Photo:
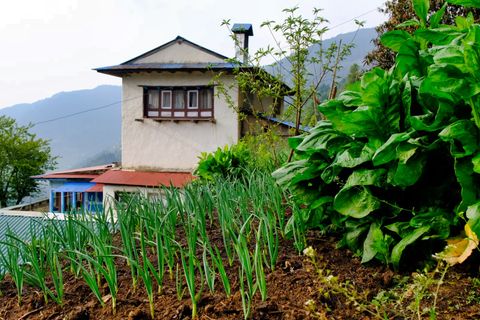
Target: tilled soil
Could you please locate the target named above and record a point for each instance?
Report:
(297, 289)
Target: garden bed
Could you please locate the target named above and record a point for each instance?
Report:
(295, 291)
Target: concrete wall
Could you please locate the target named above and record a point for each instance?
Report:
(179, 52)
(172, 146)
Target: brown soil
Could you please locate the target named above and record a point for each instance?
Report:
(347, 295)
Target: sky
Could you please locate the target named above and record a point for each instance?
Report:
(49, 46)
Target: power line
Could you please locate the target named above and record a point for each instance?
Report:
(352, 19)
(84, 111)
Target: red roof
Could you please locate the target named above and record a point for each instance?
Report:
(144, 178)
(96, 188)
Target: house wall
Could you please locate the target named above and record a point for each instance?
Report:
(167, 145)
(179, 52)
(109, 195)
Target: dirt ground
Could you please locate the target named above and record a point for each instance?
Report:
(336, 286)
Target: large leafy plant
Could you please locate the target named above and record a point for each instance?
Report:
(397, 162)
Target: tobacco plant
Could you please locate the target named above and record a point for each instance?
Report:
(397, 160)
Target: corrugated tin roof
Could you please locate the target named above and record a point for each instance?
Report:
(289, 124)
(85, 173)
(144, 178)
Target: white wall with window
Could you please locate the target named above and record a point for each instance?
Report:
(169, 118)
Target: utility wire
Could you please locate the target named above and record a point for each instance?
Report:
(354, 18)
(84, 111)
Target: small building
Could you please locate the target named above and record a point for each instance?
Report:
(75, 189)
(172, 111)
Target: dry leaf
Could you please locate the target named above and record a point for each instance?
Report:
(459, 249)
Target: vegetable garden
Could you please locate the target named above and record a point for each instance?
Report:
(392, 175)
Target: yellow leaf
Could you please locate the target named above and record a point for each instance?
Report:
(459, 249)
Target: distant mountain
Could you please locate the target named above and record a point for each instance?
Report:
(82, 137)
(93, 137)
(362, 41)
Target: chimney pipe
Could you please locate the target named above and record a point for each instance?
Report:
(241, 32)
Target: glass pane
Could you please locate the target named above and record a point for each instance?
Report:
(193, 99)
(179, 99)
(166, 99)
(153, 99)
(206, 99)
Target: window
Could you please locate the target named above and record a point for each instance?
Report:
(178, 103)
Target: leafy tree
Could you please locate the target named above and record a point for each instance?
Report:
(22, 155)
(293, 40)
(402, 16)
(354, 74)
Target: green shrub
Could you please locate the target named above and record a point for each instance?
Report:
(226, 162)
(397, 162)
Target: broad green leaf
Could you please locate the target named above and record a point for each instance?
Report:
(409, 238)
(473, 215)
(433, 121)
(437, 219)
(463, 138)
(394, 39)
(408, 59)
(355, 229)
(293, 142)
(356, 202)
(469, 183)
(476, 163)
(322, 137)
(409, 168)
(466, 3)
(421, 9)
(294, 172)
(351, 98)
(366, 177)
(439, 36)
(388, 151)
(354, 156)
(374, 236)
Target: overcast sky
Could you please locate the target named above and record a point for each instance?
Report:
(48, 46)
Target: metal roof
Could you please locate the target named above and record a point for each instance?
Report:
(79, 173)
(144, 178)
(243, 28)
(289, 124)
(149, 67)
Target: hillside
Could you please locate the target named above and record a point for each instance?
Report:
(92, 138)
(79, 138)
(362, 40)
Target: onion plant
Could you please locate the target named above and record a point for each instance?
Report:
(12, 264)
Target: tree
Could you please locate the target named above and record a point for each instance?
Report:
(401, 12)
(354, 74)
(22, 155)
(293, 41)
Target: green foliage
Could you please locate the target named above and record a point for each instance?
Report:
(264, 152)
(226, 162)
(397, 157)
(22, 155)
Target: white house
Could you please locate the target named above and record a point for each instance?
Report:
(172, 111)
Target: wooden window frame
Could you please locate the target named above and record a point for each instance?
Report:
(161, 99)
(197, 113)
